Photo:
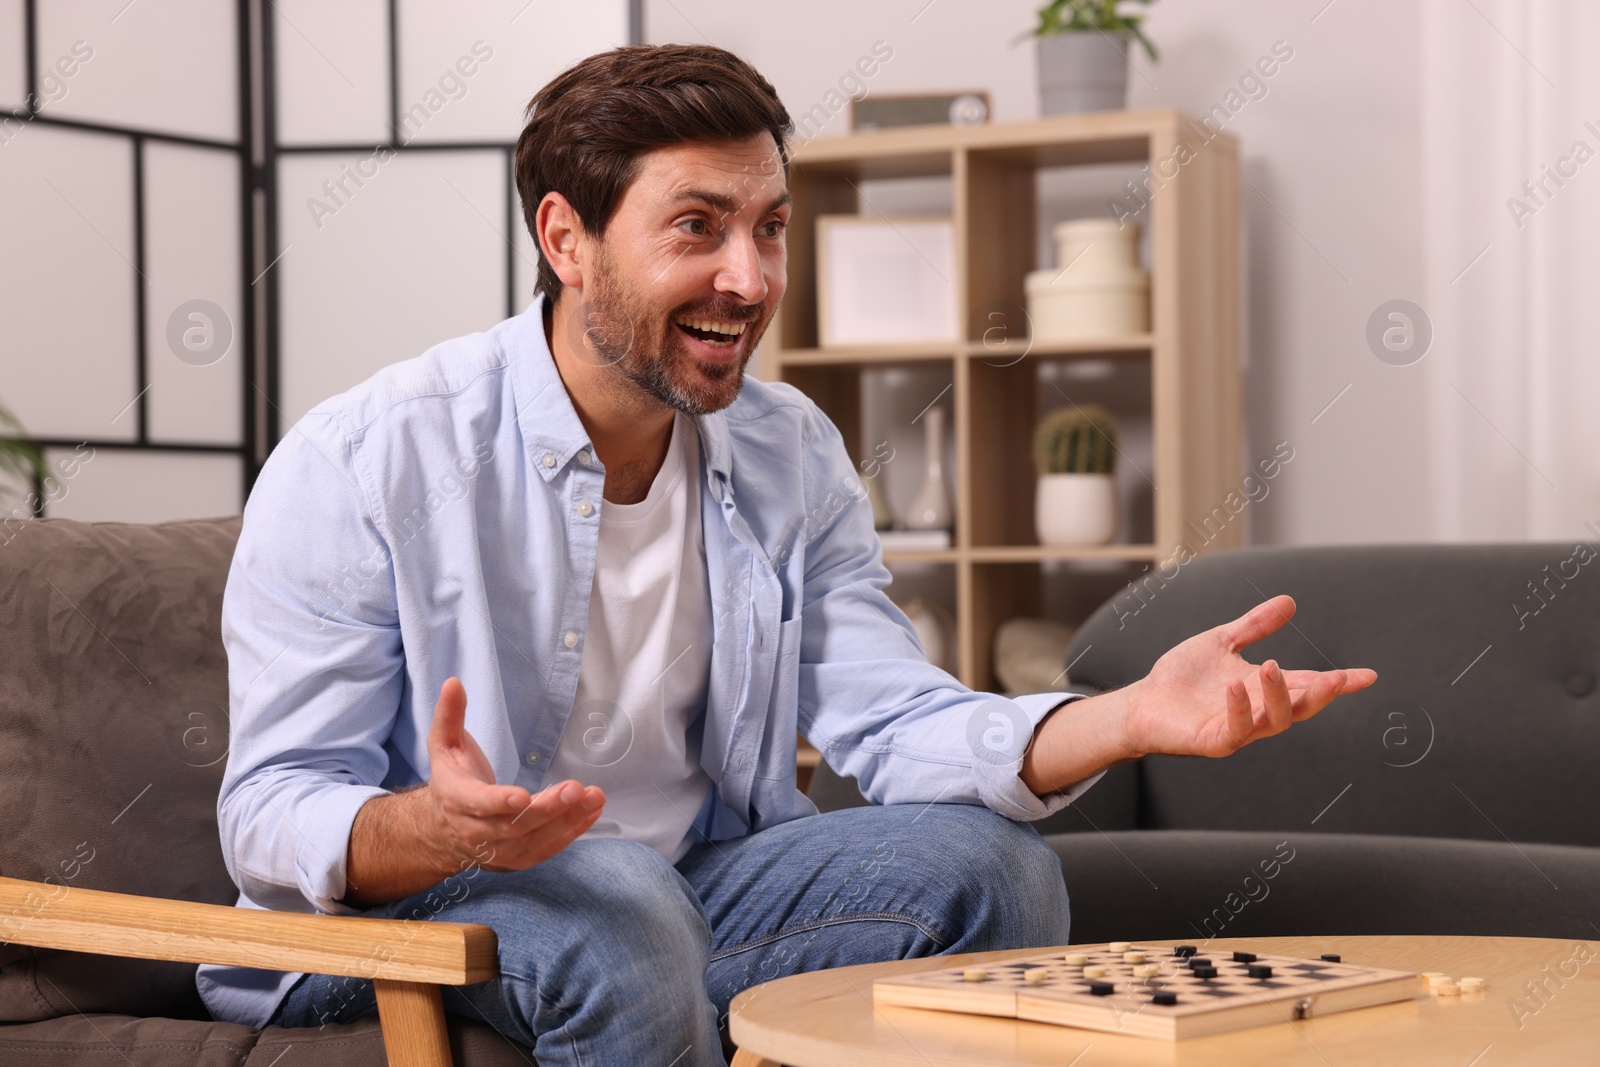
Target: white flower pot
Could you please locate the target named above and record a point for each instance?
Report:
(1076, 509)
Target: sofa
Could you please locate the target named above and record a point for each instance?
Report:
(113, 739)
(1458, 795)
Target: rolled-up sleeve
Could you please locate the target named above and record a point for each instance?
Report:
(315, 673)
(906, 730)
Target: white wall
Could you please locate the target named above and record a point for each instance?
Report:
(1333, 222)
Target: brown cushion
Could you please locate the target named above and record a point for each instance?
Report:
(113, 738)
(125, 1041)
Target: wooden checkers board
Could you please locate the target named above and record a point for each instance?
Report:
(1285, 988)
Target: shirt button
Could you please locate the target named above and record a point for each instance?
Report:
(532, 757)
(583, 457)
(549, 459)
(585, 508)
(570, 639)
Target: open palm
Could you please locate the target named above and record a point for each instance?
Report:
(502, 827)
(1202, 698)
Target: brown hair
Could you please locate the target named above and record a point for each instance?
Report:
(587, 128)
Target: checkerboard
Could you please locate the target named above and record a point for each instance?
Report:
(1121, 1001)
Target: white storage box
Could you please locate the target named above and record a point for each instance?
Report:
(1076, 309)
(1097, 290)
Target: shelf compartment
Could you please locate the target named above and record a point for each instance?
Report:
(1007, 401)
(1067, 591)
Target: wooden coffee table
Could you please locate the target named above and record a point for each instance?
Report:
(827, 1018)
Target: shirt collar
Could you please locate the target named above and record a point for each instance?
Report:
(550, 423)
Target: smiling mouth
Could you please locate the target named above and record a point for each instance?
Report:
(714, 332)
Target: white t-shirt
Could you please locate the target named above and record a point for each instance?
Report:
(646, 661)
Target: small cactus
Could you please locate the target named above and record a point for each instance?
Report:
(1076, 440)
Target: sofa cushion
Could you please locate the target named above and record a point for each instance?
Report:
(113, 737)
(119, 1040)
(1488, 661)
(1196, 884)
(126, 1041)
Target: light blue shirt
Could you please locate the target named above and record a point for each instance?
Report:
(441, 519)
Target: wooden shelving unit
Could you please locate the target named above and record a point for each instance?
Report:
(1190, 359)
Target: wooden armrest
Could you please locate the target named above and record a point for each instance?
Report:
(121, 924)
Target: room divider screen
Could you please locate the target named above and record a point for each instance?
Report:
(218, 214)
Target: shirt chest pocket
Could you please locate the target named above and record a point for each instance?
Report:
(786, 670)
(777, 754)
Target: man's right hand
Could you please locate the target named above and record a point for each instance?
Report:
(496, 827)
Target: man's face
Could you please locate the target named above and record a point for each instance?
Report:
(690, 270)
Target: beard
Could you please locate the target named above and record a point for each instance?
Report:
(651, 353)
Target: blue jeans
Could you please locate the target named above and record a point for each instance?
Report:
(611, 955)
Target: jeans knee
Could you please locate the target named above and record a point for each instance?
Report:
(1009, 881)
(640, 898)
(1042, 890)
(604, 934)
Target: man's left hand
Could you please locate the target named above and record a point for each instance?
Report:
(1202, 698)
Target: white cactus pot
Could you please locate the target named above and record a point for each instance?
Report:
(1076, 509)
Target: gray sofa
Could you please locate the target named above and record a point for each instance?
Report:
(1459, 795)
(113, 733)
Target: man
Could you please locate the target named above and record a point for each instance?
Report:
(631, 559)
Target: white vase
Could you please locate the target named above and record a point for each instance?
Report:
(931, 509)
(1075, 509)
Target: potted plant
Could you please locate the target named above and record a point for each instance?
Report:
(20, 460)
(1075, 449)
(1083, 54)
